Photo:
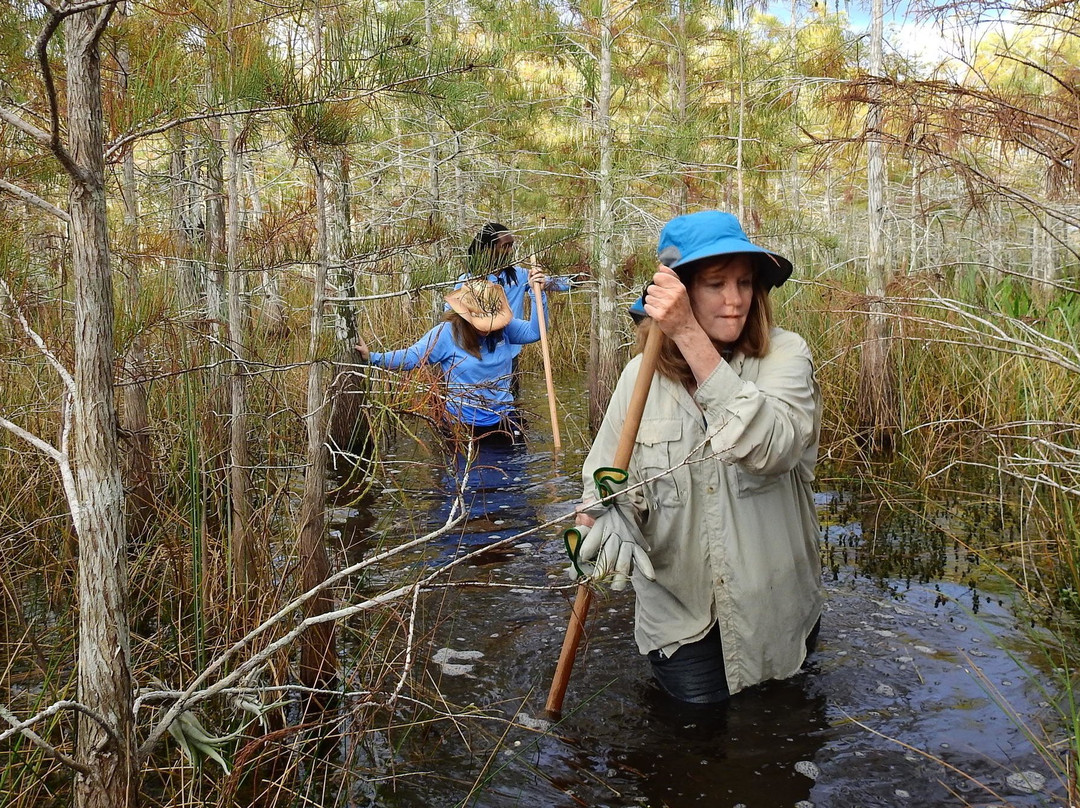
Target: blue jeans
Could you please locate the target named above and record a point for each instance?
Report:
(695, 672)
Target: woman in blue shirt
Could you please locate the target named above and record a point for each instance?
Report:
(475, 347)
(491, 256)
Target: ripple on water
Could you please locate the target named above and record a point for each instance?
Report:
(900, 666)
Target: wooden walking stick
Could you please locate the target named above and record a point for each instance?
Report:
(538, 297)
(623, 451)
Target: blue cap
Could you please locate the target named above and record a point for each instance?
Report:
(709, 233)
(637, 310)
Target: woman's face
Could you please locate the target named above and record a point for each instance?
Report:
(720, 296)
(503, 249)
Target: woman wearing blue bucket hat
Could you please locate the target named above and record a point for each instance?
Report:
(720, 534)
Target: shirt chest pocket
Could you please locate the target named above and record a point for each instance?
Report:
(751, 484)
(661, 461)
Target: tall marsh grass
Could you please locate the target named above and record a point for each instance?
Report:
(988, 390)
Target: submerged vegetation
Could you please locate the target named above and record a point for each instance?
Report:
(279, 178)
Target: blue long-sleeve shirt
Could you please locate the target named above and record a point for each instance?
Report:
(478, 390)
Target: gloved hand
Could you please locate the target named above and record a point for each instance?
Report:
(614, 539)
(616, 544)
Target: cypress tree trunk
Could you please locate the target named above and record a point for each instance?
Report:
(215, 430)
(189, 282)
(318, 653)
(104, 676)
(318, 650)
(877, 417)
(740, 55)
(136, 408)
(215, 228)
(793, 191)
(432, 134)
(603, 354)
(680, 92)
(245, 567)
(1043, 272)
(348, 427)
(1045, 268)
(272, 310)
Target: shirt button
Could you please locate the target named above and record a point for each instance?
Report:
(711, 489)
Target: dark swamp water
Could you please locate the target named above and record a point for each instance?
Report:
(901, 705)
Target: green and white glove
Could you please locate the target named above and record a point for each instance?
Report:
(613, 544)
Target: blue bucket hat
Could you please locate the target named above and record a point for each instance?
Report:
(709, 233)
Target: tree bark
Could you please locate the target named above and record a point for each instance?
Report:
(433, 138)
(604, 354)
(347, 426)
(272, 309)
(460, 197)
(104, 675)
(681, 92)
(318, 650)
(189, 282)
(877, 386)
(740, 55)
(136, 407)
(1043, 271)
(318, 653)
(215, 229)
(245, 566)
(793, 189)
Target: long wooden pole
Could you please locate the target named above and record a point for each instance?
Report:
(538, 296)
(623, 452)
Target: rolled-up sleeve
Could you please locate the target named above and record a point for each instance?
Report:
(766, 426)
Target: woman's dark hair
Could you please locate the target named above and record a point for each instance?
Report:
(483, 260)
(486, 238)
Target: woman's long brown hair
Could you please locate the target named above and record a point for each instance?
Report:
(465, 335)
(753, 341)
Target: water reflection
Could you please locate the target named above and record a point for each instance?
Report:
(899, 705)
(758, 747)
(489, 480)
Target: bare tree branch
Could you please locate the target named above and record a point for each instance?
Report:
(189, 697)
(409, 644)
(33, 199)
(39, 343)
(103, 21)
(40, 135)
(41, 48)
(23, 728)
(41, 445)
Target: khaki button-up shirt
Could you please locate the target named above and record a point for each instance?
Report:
(725, 505)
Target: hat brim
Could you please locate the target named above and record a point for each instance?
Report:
(483, 321)
(773, 269)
